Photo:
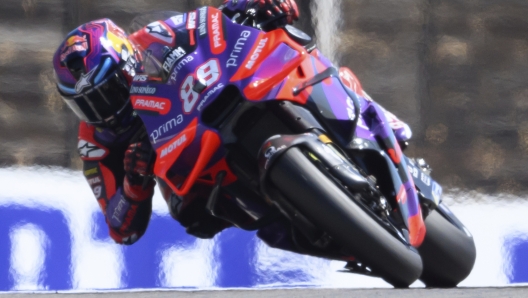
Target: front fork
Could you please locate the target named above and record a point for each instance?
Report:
(337, 164)
(405, 194)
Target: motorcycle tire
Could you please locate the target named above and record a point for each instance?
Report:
(448, 253)
(320, 200)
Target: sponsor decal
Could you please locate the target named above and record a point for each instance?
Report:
(207, 74)
(268, 154)
(202, 28)
(94, 180)
(412, 170)
(184, 62)
(97, 191)
(172, 146)
(166, 127)
(91, 171)
(188, 96)
(425, 179)
(142, 90)
(350, 80)
(216, 33)
(114, 29)
(84, 81)
(75, 43)
(89, 150)
(172, 78)
(401, 197)
(209, 94)
(239, 46)
(191, 21)
(131, 62)
(350, 109)
(177, 20)
(437, 192)
(152, 104)
(256, 53)
(172, 58)
(161, 31)
(121, 211)
(141, 78)
(394, 122)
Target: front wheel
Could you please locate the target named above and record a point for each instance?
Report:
(320, 200)
(448, 251)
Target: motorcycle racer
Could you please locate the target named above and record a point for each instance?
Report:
(94, 67)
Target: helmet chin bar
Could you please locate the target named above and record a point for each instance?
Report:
(122, 121)
(111, 121)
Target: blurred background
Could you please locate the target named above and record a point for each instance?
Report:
(455, 70)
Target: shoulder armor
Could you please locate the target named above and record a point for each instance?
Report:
(88, 148)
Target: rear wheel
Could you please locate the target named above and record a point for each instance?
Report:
(448, 252)
(319, 199)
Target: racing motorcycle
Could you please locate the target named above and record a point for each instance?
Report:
(266, 118)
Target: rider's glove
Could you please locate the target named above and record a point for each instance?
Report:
(128, 217)
(128, 214)
(275, 12)
(139, 182)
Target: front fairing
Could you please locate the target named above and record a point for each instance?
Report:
(189, 60)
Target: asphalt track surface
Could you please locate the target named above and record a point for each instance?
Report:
(289, 293)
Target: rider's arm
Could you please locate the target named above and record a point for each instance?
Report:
(126, 206)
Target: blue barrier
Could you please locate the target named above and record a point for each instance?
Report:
(234, 254)
(516, 249)
(57, 275)
(142, 261)
(78, 249)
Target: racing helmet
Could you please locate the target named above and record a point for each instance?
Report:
(94, 67)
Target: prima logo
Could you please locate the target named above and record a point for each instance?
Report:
(142, 90)
(180, 65)
(256, 53)
(184, 62)
(239, 46)
(166, 127)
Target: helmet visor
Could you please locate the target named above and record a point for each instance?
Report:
(102, 102)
